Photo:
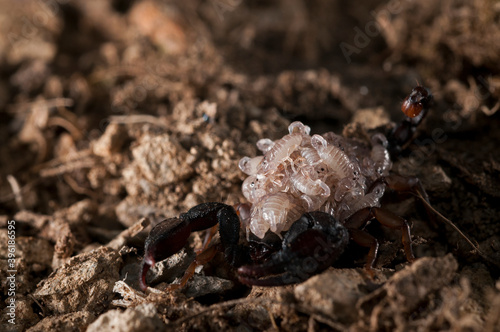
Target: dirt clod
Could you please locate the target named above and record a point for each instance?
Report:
(74, 321)
(139, 319)
(84, 283)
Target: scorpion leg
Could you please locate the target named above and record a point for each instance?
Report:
(410, 184)
(208, 238)
(171, 235)
(392, 220)
(202, 258)
(384, 217)
(413, 185)
(364, 239)
(310, 246)
(402, 184)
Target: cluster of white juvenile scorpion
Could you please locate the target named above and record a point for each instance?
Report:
(299, 173)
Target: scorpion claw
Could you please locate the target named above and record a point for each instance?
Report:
(146, 265)
(171, 235)
(310, 246)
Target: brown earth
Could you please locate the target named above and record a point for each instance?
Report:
(115, 111)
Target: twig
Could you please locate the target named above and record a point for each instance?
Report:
(72, 156)
(16, 190)
(68, 167)
(23, 189)
(222, 305)
(271, 317)
(70, 127)
(131, 119)
(450, 223)
(264, 302)
(43, 313)
(329, 322)
(127, 234)
(77, 188)
(48, 103)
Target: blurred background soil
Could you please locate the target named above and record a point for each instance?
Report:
(111, 111)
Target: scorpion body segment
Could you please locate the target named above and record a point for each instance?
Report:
(280, 151)
(306, 182)
(416, 102)
(336, 159)
(380, 155)
(310, 155)
(278, 211)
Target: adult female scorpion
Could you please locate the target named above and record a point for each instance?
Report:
(312, 193)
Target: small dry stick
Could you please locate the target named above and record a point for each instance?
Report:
(450, 223)
(129, 233)
(223, 305)
(130, 119)
(68, 167)
(13, 195)
(16, 190)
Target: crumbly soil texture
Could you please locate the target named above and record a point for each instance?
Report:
(117, 114)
